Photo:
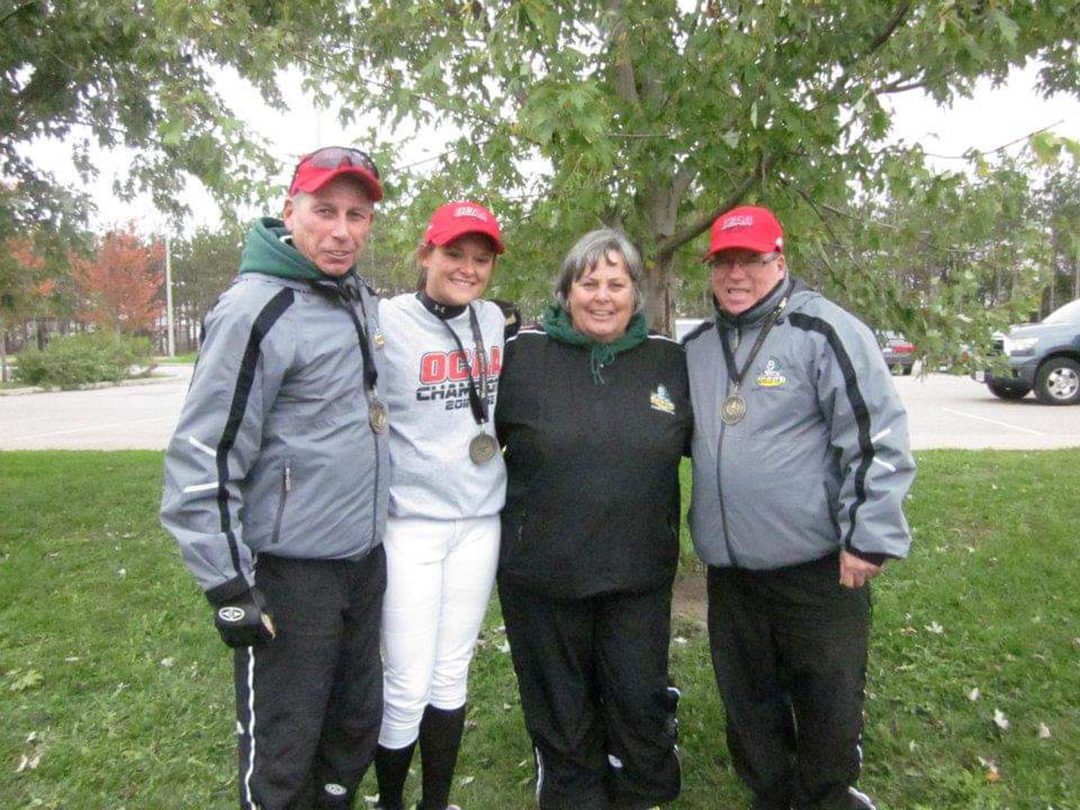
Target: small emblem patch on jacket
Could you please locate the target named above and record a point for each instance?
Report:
(660, 400)
(771, 376)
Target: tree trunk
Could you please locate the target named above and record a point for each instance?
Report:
(660, 294)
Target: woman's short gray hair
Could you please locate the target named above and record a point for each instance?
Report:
(586, 254)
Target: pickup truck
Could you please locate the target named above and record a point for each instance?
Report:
(1043, 356)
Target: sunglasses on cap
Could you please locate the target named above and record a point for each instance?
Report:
(334, 157)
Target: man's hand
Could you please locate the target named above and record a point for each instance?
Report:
(243, 621)
(855, 571)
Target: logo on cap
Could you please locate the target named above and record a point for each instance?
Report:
(470, 211)
(738, 221)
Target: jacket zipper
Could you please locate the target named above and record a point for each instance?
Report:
(719, 471)
(286, 488)
(375, 497)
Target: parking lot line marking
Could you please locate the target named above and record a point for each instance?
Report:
(89, 427)
(994, 422)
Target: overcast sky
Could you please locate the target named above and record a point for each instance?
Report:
(991, 119)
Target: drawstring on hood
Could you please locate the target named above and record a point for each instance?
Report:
(557, 325)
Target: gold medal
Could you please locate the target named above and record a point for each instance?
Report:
(378, 414)
(483, 448)
(733, 409)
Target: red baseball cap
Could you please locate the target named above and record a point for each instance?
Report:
(455, 219)
(749, 227)
(321, 166)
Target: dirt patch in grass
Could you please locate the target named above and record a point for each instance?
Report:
(689, 599)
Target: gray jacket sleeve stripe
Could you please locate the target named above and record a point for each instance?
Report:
(858, 406)
(273, 310)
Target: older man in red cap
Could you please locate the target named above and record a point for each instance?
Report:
(276, 488)
(801, 464)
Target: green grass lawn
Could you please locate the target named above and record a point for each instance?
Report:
(116, 693)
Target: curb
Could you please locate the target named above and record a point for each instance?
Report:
(37, 389)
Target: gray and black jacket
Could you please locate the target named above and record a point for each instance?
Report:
(820, 462)
(273, 451)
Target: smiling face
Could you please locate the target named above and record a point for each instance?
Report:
(601, 302)
(741, 278)
(458, 273)
(331, 225)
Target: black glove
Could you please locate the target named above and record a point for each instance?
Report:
(243, 621)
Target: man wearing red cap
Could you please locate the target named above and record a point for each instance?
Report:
(276, 489)
(801, 464)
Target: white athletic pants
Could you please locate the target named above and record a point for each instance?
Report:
(439, 575)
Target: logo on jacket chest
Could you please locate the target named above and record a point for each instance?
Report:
(660, 400)
(772, 375)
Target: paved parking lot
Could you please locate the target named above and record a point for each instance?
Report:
(943, 411)
(948, 411)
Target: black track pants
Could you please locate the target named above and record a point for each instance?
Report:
(593, 677)
(789, 651)
(309, 703)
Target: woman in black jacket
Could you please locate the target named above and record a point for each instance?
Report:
(594, 413)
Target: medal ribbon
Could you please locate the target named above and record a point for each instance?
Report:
(735, 374)
(345, 295)
(477, 397)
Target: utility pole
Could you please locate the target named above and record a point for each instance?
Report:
(170, 340)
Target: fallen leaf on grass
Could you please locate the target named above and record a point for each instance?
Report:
(991, 770)
(679, 640)
(935, 628)
(28, 763)
(1044, 731)
(465, 781)
(974, 694)
(1000, 720)
(31, 679)
(503, 647)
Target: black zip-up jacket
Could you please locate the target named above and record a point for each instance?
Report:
(592, 501)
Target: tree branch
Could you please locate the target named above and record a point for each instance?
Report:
(17, 10)
(899, 87)
(668, 246)
(894, 22)
(625, 84)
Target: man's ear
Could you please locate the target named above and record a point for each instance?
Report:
(288, 211)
